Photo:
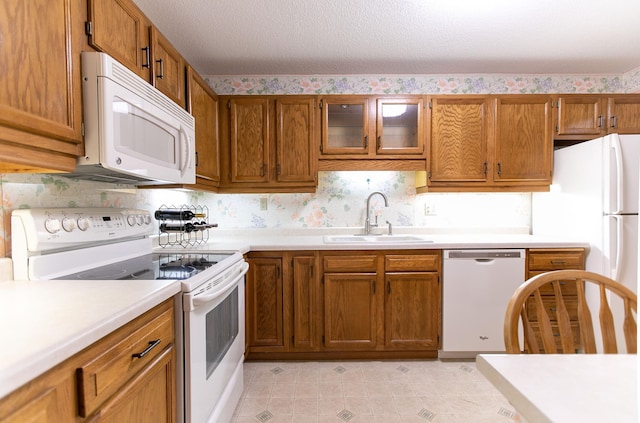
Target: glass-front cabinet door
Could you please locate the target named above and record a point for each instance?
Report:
(399, 126)
(345, 125)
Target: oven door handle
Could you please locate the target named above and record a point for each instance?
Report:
(237, 275)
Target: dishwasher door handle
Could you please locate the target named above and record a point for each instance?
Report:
(484, 260)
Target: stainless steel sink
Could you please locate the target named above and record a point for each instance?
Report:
(379, 239)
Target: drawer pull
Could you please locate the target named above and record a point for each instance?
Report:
(558, 262)
(152, 345)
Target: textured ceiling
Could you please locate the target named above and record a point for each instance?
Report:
(374, 37)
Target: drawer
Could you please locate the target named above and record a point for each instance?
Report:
(567, 287)
(575, 330)
(116, 361)
(411, 262)
(556, 260)
(350, 263)
(550, 306)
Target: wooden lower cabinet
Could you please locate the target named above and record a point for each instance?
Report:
(343, 304)
(104, 383)
(412, 310)
(350, 311)
(545, 260)
(282, 302)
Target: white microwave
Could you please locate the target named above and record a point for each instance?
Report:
(133, 133)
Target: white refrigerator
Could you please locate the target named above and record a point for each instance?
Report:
(594, 197)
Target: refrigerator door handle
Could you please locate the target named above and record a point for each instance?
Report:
(617, 261)
(619, 188)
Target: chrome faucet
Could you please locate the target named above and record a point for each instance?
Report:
(367, 222)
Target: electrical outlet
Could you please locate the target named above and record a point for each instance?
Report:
(429, 210)
(263, 203)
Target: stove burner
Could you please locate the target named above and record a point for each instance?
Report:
(187, 263)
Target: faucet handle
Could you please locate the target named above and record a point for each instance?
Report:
(390, 228)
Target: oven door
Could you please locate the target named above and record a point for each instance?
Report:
(214, 347)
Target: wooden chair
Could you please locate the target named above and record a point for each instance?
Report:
(539, 327)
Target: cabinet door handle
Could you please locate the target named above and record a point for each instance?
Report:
(558, 262)
(600, 121)
(486, 168)
(614, 121)
(152, 345)
(366, 141)
(499, 169)
(197, 160)
(379, 141)
(161, 73)
(147, 57)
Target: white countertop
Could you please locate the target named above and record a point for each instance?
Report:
(245, 240)
(567, 387)
(42, 323)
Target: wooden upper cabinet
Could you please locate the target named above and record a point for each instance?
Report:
(249, 139)
(168, 69)
(579, 115)
(345, 125)
(40, 98)
(523, 140)
(120, 29)
(295, 139)
(372, 127)
(459, 130)
(488, 143)
(268, 143)
(623, 114)
(399, 126)
(203, 105)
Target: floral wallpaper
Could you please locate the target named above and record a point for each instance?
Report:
(427, 84)
(341, 196)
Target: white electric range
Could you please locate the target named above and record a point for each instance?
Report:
(116, 244)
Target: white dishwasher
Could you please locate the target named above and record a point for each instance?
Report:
(476, 287)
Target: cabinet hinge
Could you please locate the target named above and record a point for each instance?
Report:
(431, 104)
(229, 104)
(321, 105)
(429, 174)
(315, 104)
(553, 104)
(321, 147)
(82, 128)
(88, 28)
(557, 128)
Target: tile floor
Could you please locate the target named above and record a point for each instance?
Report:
(369, 391)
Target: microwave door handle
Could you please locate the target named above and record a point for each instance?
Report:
(186, 146)
(240, 272)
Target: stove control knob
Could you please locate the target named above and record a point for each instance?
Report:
(140, 219)
(52, 225)
(147, 219)
(68, 224)
(131, 220)
(84, 223)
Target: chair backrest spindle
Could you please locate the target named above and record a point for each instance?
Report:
(546, 314)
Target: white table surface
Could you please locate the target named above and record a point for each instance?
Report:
(566, 388)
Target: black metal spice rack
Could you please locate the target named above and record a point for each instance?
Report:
(185, 226)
